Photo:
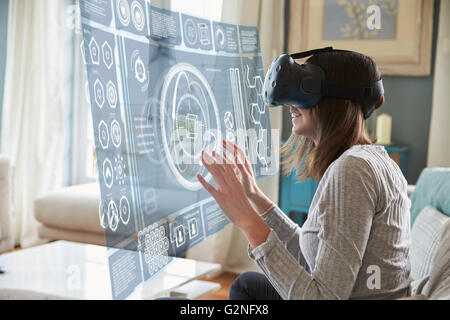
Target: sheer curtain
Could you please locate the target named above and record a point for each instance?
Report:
(229, 247)
(439, 142)
(32, 124)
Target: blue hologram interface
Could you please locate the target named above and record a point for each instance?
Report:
(163, 86)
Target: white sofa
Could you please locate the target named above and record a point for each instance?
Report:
(72, 213)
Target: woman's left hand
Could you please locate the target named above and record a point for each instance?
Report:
(230, 194)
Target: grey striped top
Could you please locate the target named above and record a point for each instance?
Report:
(355, 241)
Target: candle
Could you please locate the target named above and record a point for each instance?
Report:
(384, 125)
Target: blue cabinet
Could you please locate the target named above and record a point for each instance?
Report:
(296, 197)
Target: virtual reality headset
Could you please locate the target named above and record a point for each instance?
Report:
(304, 85)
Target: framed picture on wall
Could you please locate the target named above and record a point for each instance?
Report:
(397, 34)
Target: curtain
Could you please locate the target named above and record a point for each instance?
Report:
(229, 247)
(439, 142)
(32, 130)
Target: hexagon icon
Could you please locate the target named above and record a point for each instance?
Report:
(116, 133)
(259, 132)
(99, 93)
(261, 104)
(107, 55)
(259, 85)
(108, 173)
(261, 153)
(255, 113)
(103, 134)
(111, 94)
(94, 50)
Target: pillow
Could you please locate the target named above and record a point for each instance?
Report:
(432, 189)
(438, 286)
(425, 236)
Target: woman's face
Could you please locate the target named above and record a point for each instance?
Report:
(303, 122)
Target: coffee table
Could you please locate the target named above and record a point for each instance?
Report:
(71, 270)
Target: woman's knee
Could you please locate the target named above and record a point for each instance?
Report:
(243, 285)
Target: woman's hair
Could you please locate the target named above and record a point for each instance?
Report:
(339, 122)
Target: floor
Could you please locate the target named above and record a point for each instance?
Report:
(225, 280)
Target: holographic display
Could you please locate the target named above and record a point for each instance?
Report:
(163, 86)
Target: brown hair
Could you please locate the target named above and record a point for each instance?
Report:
(339, 122)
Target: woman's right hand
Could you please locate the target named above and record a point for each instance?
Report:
(245, 174)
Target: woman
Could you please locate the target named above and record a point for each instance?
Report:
(355, 241)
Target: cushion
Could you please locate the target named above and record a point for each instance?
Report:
(432, 189)
(73, 208)
(51, 233)
(425, 236)
(438, 286)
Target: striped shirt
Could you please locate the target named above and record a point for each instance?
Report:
(355, 241)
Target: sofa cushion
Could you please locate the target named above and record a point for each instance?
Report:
(438, 286)
(51, 233)
(432, 189)
(72, 208)
(425, 236)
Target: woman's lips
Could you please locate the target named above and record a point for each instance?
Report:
(295, 113)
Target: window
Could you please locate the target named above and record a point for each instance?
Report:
(82, 151)
(211, 9)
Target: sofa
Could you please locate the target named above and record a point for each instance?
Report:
(430, 235)
(72, 214)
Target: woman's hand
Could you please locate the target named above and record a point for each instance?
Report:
(244, 173)
(230, 195)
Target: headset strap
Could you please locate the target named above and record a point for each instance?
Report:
(305, 54)
(353, 92)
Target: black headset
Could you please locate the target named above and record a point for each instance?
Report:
(304, 85)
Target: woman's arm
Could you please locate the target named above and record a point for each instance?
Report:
(287, 231)
(347, 206)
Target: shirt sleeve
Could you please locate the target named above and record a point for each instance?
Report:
(346, 209)
(286, 230)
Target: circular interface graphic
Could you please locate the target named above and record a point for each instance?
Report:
(139, 70)
(123, 11)
(190, 31)
(124, 206)
(116, 133)
(189, 123)
(220, 38)
(137, 15)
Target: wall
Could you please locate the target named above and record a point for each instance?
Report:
(3, 38)
(408, 101)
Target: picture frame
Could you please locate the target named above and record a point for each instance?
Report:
(400, 47)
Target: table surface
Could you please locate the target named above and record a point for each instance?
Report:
(70, 270)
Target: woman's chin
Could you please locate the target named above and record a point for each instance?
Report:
(297, 130)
